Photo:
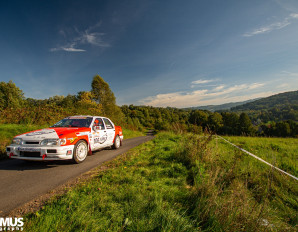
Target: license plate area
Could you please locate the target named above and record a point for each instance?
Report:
(30, 154)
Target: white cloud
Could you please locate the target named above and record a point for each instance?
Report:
(73, 50)
(218, 95)
(274, 26)
(256, 85)
(219, 88)
(284, 85)
(87, 37)
(295, 16)
(93, 38)
(201, 82)
(68, 48)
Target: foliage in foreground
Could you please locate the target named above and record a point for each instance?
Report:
(176, 183)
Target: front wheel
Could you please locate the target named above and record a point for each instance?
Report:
(80, 152)
(117, 142)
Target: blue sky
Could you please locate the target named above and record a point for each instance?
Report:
(159, 53)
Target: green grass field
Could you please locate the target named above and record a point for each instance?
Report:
(176, 183)
(281, 152)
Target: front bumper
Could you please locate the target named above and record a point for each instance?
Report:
(40, 153)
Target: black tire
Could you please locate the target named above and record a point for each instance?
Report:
(117, 142)
(80, 152)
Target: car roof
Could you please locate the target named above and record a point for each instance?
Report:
(87, 116)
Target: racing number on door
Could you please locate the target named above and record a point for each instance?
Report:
(110, 130)
(100, 135)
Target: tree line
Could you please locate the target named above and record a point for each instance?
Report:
(100, 100)
(198, 121)
(279, 107)
(15, 108)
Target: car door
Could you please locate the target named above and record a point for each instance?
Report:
(110, 129)
(99, 135)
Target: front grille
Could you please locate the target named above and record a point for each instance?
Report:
(51, 151)
(31, 142)
(29, 154)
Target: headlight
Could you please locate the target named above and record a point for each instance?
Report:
(62, 141)
(53, 142)
(49, 142)
(17, 141)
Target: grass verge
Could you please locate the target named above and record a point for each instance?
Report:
(176, 183)
(131, 133)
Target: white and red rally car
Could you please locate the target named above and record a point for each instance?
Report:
(71, 138)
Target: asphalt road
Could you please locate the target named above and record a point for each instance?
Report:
(21, 182)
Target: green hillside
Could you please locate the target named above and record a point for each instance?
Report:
(278, 107)
(222, 107)
(280, 100)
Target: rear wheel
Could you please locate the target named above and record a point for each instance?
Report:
(117, 142)
(80, 152)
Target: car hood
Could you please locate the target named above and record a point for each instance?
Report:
(53, 133)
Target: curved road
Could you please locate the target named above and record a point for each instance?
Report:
(21, 182)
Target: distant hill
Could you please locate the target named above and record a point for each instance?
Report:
(278, 107)
(280, 100)
(283, 106)
(226, 106)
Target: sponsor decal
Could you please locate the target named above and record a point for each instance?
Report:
(82, 133)
(11, 224)
(42, 132)
(101, 139)
(71, 140)
(28, 149)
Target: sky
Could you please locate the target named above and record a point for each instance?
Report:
(152, 52)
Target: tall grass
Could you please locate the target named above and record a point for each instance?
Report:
(234, 192)
(281, 152)
(142, 191)
(176, 183)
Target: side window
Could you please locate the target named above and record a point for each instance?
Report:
(108, 123)
(98, 123)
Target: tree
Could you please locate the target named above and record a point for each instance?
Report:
(10, 95)
(104, 96)
(230, 121)
(245, 125)
(198, 117)
(215, 122)
(283, 129)
(85, 102)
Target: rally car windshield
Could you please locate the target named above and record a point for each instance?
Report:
(74, 122)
